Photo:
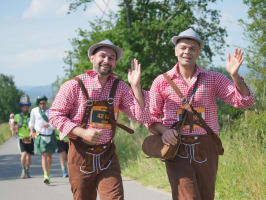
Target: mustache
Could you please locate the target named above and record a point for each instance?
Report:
(105, 65)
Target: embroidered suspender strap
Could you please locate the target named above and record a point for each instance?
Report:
(110, 102)
(89, 103)
(110, 105)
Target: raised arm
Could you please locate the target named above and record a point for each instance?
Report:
(134, 76)
(232, 67)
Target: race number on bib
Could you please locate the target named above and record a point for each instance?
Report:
(99, 117)
(201, 111)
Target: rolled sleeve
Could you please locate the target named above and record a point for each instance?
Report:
(228, 92)
(141, 115)
(61, 109)
(155, 104)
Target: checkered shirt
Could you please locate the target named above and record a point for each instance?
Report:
(69, 105)
(164, 102)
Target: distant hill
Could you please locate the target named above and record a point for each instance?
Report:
(35, 91)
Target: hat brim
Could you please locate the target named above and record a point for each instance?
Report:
(176, 38)
(118, 50)
(26, 104)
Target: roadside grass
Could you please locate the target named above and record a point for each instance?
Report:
(241, 174)
(5, 132)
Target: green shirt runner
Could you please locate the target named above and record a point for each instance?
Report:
(22, 121)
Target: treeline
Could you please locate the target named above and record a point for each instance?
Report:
(9, 97)
(144, 28)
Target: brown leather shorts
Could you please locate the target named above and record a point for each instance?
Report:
(94, 169)
(192, 174)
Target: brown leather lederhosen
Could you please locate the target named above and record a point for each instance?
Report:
(192, 174)
(95, 168)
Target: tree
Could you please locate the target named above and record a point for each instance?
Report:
(9, 97)
(143, 28)
(255, 30)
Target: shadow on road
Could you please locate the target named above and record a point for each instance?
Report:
(10, 167)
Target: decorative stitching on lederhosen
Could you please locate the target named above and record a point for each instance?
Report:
(189, 149)
(98, 161)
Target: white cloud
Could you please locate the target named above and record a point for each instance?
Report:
(32, 56)
(46, 8)
(102, 8)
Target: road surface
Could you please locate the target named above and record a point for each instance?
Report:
(14, 188)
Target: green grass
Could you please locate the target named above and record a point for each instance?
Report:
(5, 132)
(241, 174)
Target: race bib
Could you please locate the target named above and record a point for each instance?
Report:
(99, 117)
(26, 140)
(201, 111)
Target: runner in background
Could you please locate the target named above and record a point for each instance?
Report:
(45, 142)
(21, 128)
(62, 149)
(11, 124)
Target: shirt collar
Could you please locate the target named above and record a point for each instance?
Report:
(95, 74)
(174, 72)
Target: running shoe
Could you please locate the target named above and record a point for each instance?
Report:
(23, 174)
(47, 180)
(65, 174)
(28, 174)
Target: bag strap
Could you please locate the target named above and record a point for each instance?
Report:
(178, 92)
(185, 114)
(185, 103)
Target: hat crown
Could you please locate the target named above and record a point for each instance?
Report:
(25, 99)
(190, 33)
(106, 41)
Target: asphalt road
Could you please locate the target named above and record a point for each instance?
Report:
(14, 188)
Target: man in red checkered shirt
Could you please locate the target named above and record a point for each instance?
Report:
(88, 116)
(192, 174)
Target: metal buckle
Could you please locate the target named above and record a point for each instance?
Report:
(184, 101)
(89, 102)
(110, 100)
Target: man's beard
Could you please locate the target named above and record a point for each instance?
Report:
(105, 72)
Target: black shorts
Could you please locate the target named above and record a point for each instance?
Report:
(62, 146)
(29, 148)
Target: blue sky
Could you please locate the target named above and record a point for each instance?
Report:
(35, 35)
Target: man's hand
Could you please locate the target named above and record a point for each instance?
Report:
(90, 135)
(232, 68)
(169, 137)
(134, 73)
(233, 65)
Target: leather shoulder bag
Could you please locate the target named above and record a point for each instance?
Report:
(153, 145)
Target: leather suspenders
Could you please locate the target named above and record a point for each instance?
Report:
(110, 106)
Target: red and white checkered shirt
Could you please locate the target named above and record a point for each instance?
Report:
(165, 103)
(69, 105)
